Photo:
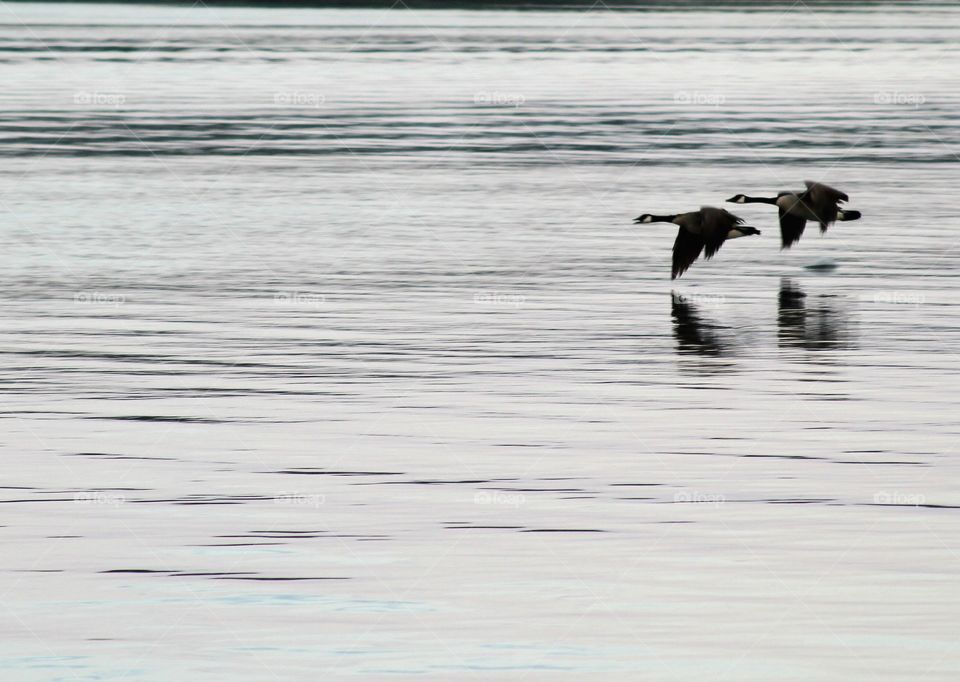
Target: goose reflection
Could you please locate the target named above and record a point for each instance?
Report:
(819, 326)
(693, 335)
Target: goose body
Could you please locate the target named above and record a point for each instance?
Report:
(700, 231)
(819, 202)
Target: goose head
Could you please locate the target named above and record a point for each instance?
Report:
(738, 199)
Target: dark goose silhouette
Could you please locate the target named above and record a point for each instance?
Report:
(818, 202)
(700, 231)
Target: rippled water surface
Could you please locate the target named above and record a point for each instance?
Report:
(329, 349)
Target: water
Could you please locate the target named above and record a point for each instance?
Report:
(329, 347)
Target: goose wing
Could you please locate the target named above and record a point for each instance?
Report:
(690, 220)
(686, 249)
(823, 199)
(716, 223)
(823, 194)
(791, 227)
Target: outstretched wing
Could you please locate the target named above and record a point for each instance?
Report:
(820, 193)
(791, 227)
(716, 223)
(823, 199)
(686, 249)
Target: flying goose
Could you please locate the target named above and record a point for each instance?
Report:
(706, 229)
(818, 202)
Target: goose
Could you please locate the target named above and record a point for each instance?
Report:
(704, 230)
(818, 202)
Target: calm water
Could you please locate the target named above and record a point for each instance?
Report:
(329, 349)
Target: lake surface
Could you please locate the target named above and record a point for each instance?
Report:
(329, 349)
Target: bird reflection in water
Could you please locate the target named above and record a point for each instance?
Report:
(820, 326)
(693, 335)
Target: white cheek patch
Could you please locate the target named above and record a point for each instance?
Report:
(648, 219)
(733, 234)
